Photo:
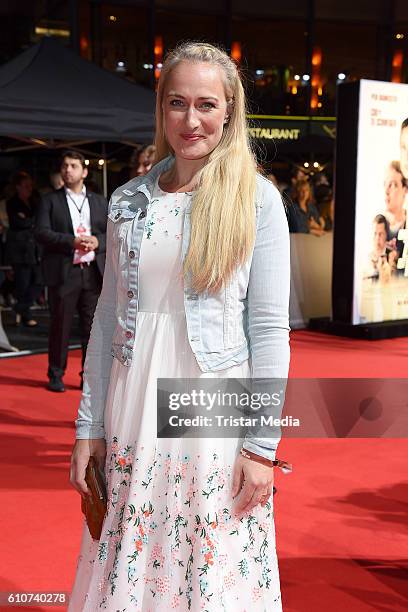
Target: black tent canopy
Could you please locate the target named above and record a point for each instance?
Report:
(49, 92)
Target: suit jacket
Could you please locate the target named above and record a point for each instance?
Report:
(54, 230)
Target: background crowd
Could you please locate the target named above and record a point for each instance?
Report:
(309, 202)
(308, 199)
(22, 284)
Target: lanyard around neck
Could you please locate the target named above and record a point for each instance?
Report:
(79, 208)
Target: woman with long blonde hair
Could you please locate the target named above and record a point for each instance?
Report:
(196, 286)
(307, 215)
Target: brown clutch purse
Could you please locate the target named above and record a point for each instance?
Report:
(94, 506)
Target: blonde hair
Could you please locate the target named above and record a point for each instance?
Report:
(299, 185)
(223, 210)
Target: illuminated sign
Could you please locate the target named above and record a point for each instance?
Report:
(290, 129)
(274, 133)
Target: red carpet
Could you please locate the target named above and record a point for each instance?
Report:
(341, 516)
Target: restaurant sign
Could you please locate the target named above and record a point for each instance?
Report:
(274, 133)
(290, 129)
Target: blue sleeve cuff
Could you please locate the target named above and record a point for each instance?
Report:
(264, 448)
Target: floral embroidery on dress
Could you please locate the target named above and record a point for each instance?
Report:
(176, 208)
(151, 220)
(193, 540)
(121, 461)
(155, 207)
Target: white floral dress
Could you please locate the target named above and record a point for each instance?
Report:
(170, 540)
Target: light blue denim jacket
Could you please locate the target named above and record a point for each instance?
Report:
(248, 318)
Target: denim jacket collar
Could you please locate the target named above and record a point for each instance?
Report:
(126, 200)
(124, 197)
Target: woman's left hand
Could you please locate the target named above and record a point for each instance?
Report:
(253, 482)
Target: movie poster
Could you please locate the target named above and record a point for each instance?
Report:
(381, 257)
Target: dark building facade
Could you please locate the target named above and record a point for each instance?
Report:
(293, 52)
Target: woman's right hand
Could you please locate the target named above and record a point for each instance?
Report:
(81, 452)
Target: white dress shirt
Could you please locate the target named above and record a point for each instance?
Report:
(81, 221)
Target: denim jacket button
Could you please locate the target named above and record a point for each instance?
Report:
(142, 214)
(128, 334)
(130, 294)
(131, 254)
(118, 214)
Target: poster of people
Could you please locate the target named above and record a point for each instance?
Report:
(381, 234)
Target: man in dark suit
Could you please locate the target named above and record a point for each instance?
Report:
(71, 226)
